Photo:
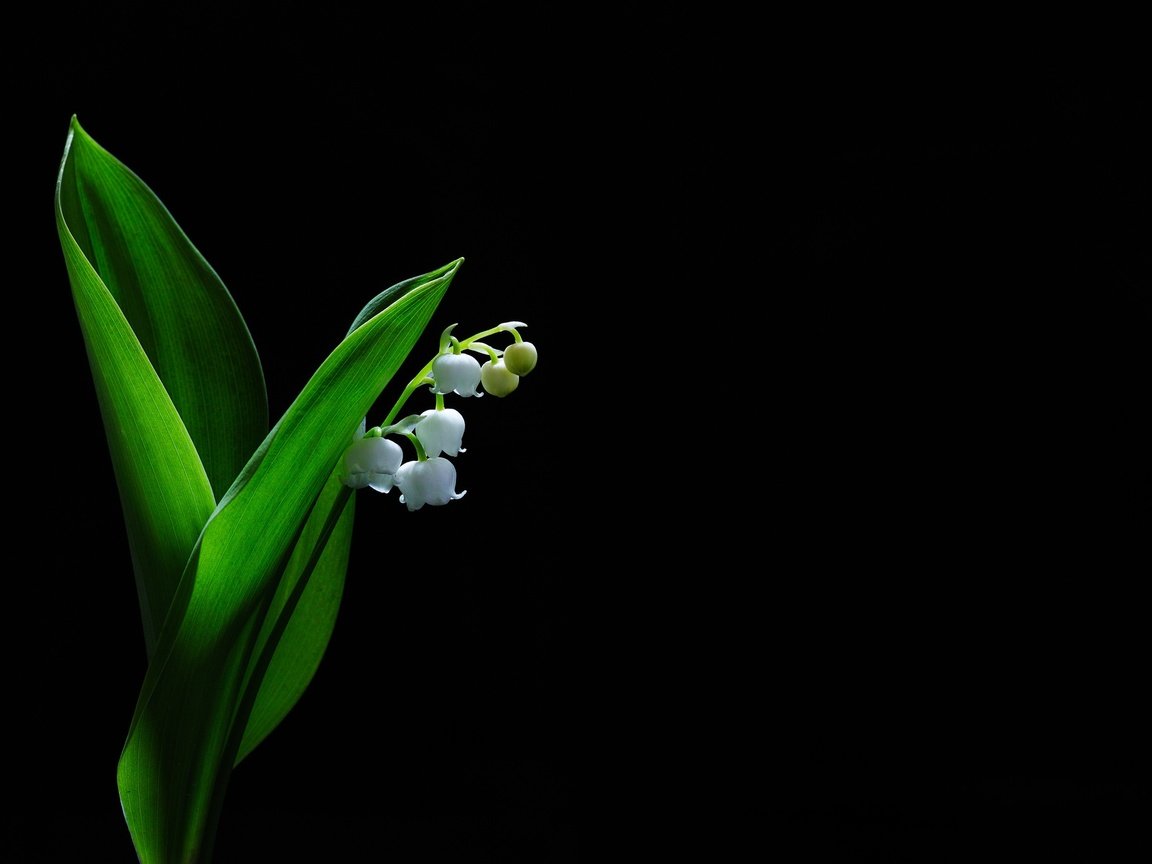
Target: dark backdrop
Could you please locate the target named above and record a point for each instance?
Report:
(820, 524)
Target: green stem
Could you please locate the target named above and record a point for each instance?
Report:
(421, 378)
(467, 343)
(493, 354)
(421, 455)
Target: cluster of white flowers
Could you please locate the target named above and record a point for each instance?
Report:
(374, 460)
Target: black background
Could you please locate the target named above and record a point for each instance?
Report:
(819, 524)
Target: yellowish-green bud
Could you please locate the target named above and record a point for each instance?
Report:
(520, 358)
(496, 378)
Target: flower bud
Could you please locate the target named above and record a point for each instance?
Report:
(496, 378)
(520, 358)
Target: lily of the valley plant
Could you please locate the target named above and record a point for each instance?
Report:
(240, 535)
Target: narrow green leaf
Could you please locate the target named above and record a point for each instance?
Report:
(189, 722)
(305, 637)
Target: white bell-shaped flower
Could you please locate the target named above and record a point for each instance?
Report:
(432, 481)
(441, 431)
(372, 462)
(456, 373)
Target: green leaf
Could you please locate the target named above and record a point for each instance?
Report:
(190, 720)
(306, 632)
(152, 313)
(164, 491)
(122, 245)
(306, 635)
(179, 310)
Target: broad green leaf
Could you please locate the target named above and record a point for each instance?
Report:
(149, 346)
(121, 244)
(190, 719)
(125, 252)
(180, 311)
(164, 491)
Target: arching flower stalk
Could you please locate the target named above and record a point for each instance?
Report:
(373, 460)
